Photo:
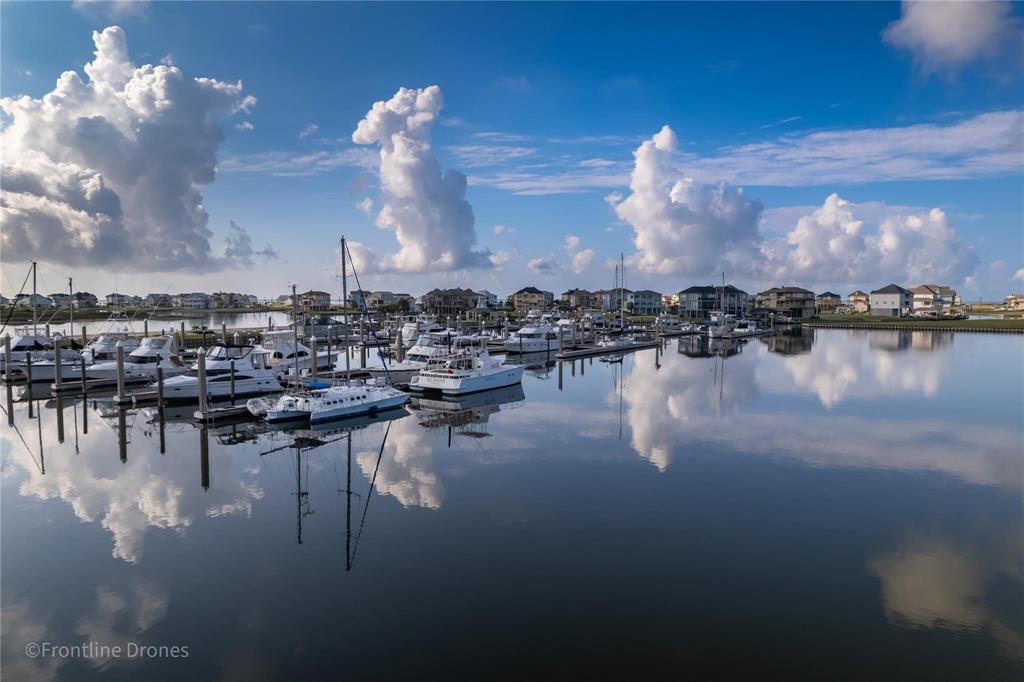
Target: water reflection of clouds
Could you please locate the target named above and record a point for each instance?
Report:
(406, 469)
(933, 583)
(688, 401)
(872, 364)
(116, 618)
(148, 491)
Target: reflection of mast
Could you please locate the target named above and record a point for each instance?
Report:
(348, 507)
(301, 496)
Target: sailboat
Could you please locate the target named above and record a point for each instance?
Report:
(321, 402)
(721, 323)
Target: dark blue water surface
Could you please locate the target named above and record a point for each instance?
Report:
(831, 505)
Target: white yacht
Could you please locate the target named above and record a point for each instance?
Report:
(285, 353)
(26, 341)
(45, 369)
(253, 374)
(428, 346)
(669, 322)
(466, 371)
(104, 347)
(142, 363)
(531, 339)
(721, 325)
(745, 328)
(339, 402)
(412, 329)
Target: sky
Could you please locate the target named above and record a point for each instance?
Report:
(170, 147)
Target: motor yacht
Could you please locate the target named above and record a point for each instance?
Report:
(252, 374)
(745, 328)
(412, 329)
(721, 325)
(428, 346)
(285, 353)
(154, 352)
(466, 371)
(531, 339)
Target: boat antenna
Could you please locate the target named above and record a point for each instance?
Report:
(71, 310)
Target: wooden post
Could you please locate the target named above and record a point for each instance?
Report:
(84, 338)
(362, 356)
(120, 369)
(28, 374)
(400, 351)
(159, 390)
(561, 345)
(182, 335)
(47, 330)
(145, 328)
(201, 361)
(224, 332)
(232, 382)
(330, 347)
(56, 363)
(7, 358)
(85, 389)
(312, 359)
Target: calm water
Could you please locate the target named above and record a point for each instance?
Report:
(838, 505)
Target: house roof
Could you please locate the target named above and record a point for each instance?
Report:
(729, 289)
(828, 294)
(452, 292)
(787, 290)
(528, 290)
(313, 292)
(647, 292)
(858, 292)
(576, 292)
(890, 289)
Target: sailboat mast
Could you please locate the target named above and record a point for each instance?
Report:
(344, 308)
(295, 333)
(35, 321)
(71, 309)
(622, 293)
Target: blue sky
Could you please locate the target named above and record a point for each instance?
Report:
(543, 108)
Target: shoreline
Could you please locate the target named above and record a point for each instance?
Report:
(993, 325)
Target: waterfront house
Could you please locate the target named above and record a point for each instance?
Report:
(643, 302)
(613, 300)
(83, 299)
(118, 300)
(927, 300)
(794, 302)
(26, 300)
(891, 301)
(859, 301)
(449, 302)
(358, 298)
(315, 300)
(528, 298)
(486, 299)
(697, 302)
(195, 300)
(60, 300)
(579, 299)
(1014, 302)
(827, 302)
(158, 300)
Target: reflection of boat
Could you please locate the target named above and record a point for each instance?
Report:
(464, 411)
(467, 371)
(614, 357)
(700, 346)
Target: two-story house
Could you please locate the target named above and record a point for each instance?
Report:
(892, 301)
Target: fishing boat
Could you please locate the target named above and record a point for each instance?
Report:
(745, 328)
(427, 347)
(412, 329)
(154, 352)
(720, 324)
(286, 353)
(248, 365)
(466, 371)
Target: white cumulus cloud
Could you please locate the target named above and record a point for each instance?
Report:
(108, 170)
(543, 265)
(579, 258)
(681, 227)
(835, 244)
(503, 229)
(945, 36)
(308, 130)
(425, 208)
(684, 228)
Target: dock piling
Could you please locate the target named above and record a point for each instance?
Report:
(312, 359)
(159, 390)
(201, 362)
(224, 332)
(28, 374)
(232, 383)
(56, 362)
(120, 370)
(85, 390)
(145, 328)
(7, 358)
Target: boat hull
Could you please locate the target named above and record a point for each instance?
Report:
(357, 410)
(460, 385)
(175, 390)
